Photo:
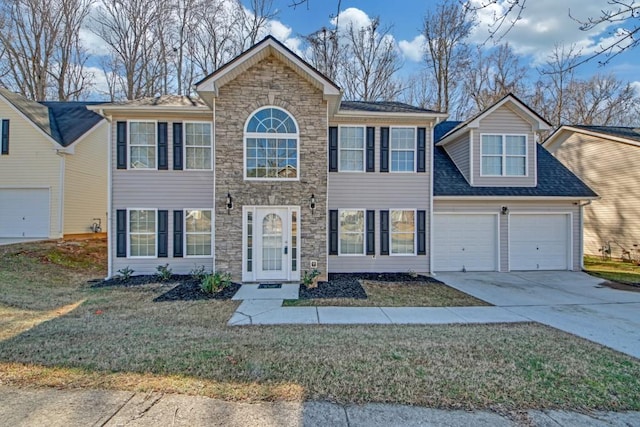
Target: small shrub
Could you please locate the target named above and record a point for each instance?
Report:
(163, 272)
(125, 274)
(198, 273)
(215, 282)
(309, 278)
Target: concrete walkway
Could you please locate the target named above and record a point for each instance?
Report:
(69, 408)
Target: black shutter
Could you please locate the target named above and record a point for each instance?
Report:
(177, 146)
(371, 149)
(5, 137)
(177, 234)
(121, 233)
(333, 232)
(121, 145)
(384, 232)
(163, 234)
(422, 232)
(371, 232)
(421, 157)
(163, 160)
(384, 149)
(333, 149)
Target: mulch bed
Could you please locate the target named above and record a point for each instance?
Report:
(347, 285)
(622, 286)
(186, 288)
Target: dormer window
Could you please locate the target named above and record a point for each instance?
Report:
(503, 155)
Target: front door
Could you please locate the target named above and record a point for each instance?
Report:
(273, 252)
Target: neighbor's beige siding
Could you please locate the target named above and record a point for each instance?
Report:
(32, 162)
(85, 191)
(515, 206)
(611, 169)
(504, 121)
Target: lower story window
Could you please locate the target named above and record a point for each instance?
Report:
(142, 233)
(197, 232)
(403, 231)
(351, 232)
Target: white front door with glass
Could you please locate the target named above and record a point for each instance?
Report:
(271, 241)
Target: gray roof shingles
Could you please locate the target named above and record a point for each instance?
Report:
(632, 133)
(382, 107)
(554, 179)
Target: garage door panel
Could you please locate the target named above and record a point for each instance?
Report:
(465, 242)
(24, 213)
(539, 242)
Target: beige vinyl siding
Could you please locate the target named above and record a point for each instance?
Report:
(610, 168)
(162, 190)
(500, 122)
(458, 150)
(85, 191)
(382, 191)
(517, 206)
(32, 162)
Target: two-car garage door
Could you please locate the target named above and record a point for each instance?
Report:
(469, 242)
(24, 212)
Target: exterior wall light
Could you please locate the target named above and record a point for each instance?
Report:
(504, 210)
(229, 202)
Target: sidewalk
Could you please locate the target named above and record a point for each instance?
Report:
(52, 407)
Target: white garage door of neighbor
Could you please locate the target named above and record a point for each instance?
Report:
(465, 242)
(539, 242)
(24, 212)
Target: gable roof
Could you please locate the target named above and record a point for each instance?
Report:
(554, 179)
(62, 122)
(617, 133)
(538, 122)
(264, 48)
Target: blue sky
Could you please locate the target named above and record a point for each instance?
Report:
(544, 24)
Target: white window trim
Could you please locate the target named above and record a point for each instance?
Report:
(184, 234)
(415, 232)
(246, 135)
(364, 148)
(184, 144)
(415, 148)
(129, 233)
(504, 155)
(364, 232)
(129, 145)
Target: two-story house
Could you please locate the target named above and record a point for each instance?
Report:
(269, 174)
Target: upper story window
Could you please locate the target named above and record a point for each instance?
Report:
(271, 145)
(197, 145)
(142, 145)
(351, 148)
(403, 149)
(503, 155)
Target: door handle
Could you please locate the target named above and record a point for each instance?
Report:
(286, 250)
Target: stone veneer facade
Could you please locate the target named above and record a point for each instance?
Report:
(270, 83)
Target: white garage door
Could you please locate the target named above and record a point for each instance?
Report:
(539, 242)
(24, 212)
(465, 242)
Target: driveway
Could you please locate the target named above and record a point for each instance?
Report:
(570, 301)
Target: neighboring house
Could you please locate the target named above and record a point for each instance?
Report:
(53, 168)
(606, 158)
(269, 174)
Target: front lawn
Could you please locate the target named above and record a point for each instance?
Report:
(613, 270)
(119, 338)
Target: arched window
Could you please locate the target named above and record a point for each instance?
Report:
(271, 145)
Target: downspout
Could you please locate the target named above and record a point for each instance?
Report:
(61, 194)
(213, 207)
(581, 213)
(431, 154)
(109, 198)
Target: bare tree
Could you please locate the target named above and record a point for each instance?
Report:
(42, 53)
(370, 63)
(255, 21)
(419, 90)
(126, 26)
(324, 51)
(446, 52)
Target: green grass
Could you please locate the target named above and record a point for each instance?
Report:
(405, 294)
(120, 338)
(613, 270)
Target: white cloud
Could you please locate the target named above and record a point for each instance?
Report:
(278, 30)
(93, 43)
(351, 16)
(412, 50)
(636, 85)
(544, 24)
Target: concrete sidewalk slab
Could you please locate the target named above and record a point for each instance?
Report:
(250, 292)
(486, 315)
(287, 316)
(352, 316)
(421, 315)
